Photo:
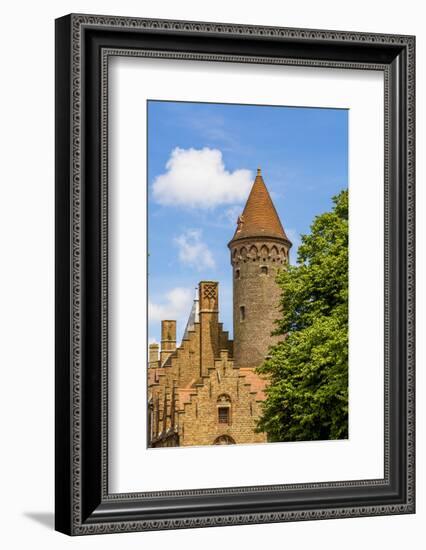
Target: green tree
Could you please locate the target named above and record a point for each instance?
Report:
(307, 396)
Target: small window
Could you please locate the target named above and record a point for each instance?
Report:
(264, 270)
(237, 273)
(242, 313)
(223, 415)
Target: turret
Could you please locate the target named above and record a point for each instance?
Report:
(259, 248)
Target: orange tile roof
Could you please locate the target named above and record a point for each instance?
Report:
(259, 217)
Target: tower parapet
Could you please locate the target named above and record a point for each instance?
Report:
(259, 248)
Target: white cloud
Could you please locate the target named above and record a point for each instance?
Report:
(193, 251)
(177, 305)
(197, 178)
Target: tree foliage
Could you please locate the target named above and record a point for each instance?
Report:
(307, 395)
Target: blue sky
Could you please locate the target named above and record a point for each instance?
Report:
(202, 160)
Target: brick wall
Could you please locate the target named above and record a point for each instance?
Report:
(197, 378)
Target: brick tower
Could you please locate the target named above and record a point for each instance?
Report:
(258, 248)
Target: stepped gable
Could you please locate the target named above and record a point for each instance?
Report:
(257, 384)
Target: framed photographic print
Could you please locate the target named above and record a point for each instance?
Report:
(234, 274)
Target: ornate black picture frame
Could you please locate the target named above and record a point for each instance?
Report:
(83, 45)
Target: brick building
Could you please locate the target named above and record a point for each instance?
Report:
(205, 391)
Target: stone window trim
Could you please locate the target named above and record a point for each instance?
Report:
(223, 415)
(224, 409)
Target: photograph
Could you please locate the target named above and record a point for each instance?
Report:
(247, 267)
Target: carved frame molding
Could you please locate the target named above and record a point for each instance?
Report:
(86, 42)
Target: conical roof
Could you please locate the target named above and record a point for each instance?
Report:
(259, 217)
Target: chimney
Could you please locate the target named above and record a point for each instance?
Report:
(168, 339)
(153, 354)
(209, 324)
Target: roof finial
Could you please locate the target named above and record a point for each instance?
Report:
(259, 217)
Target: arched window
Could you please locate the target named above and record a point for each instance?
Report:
(224, 440)
(242, 313)
(263, 269)
(237, 273)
